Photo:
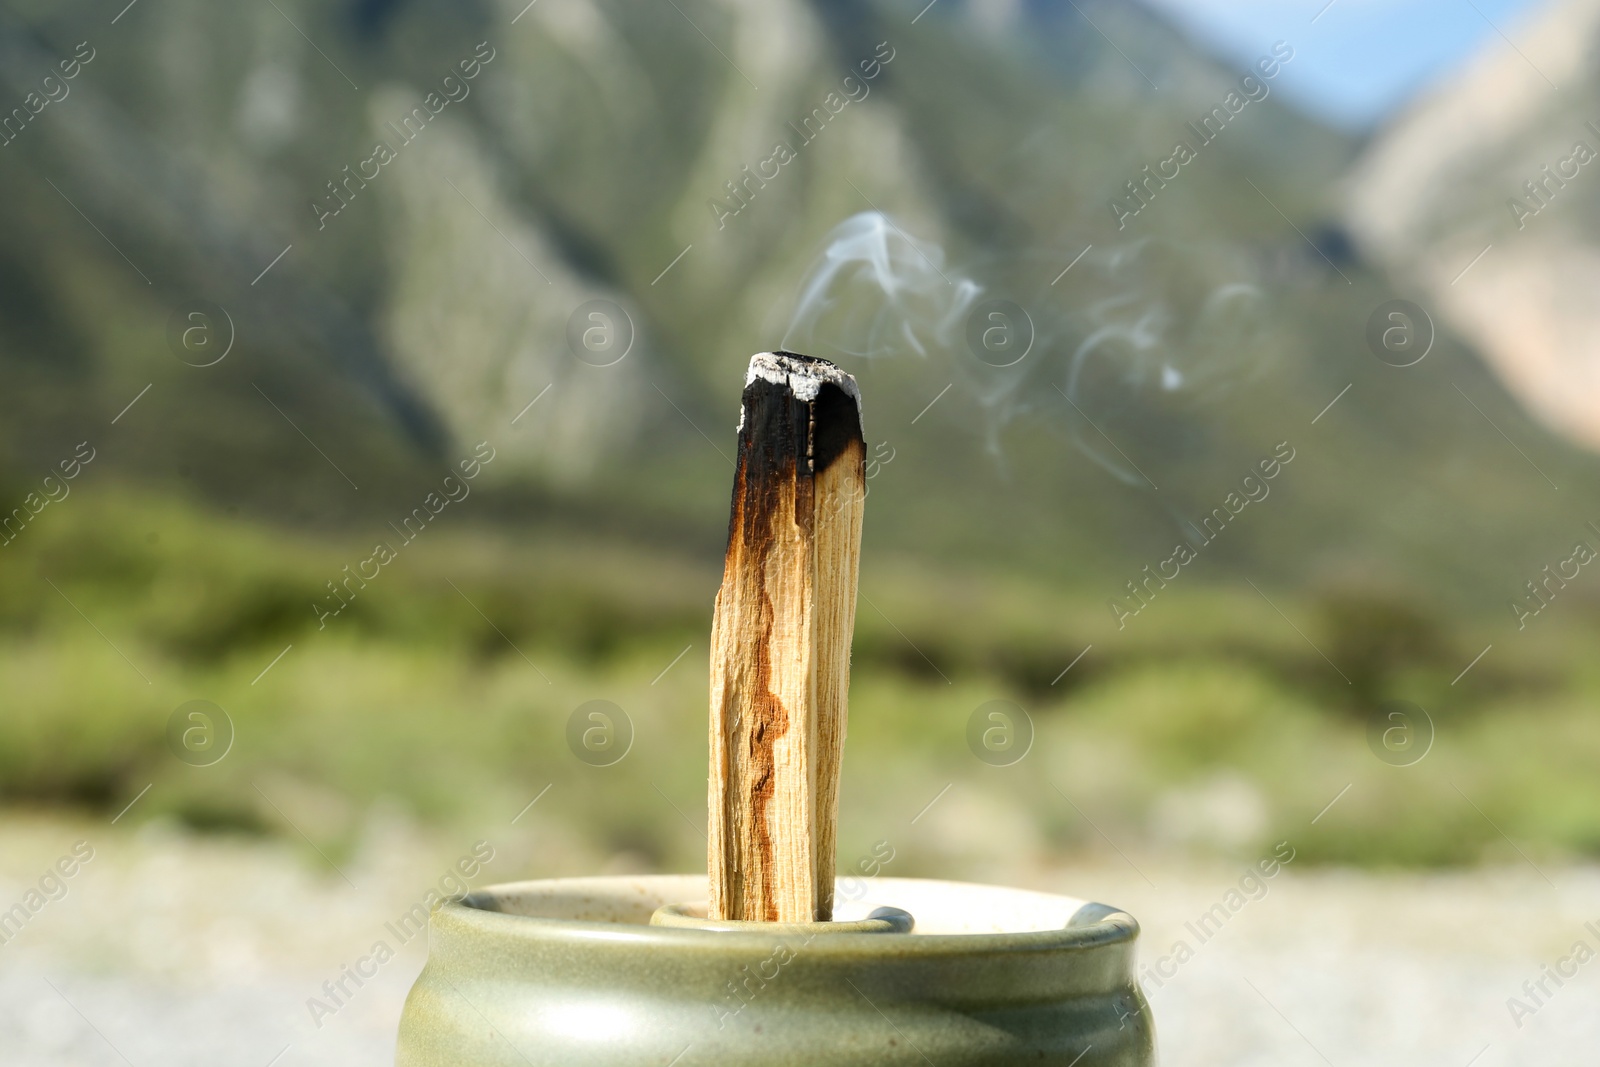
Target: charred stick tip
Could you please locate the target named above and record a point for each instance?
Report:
(777, 380)
(804, 375)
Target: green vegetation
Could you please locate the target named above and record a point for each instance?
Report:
(1211, 725)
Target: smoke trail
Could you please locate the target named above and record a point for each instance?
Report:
(877, 292)
(1115, 354)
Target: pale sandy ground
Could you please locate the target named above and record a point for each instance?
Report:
(174, 951)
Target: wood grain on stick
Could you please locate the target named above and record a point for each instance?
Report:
(780, 641)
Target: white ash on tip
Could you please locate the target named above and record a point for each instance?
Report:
(804, 378)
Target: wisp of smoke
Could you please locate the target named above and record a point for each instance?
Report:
(878, 292)
(1135, 333)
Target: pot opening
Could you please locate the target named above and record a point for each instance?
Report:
(852, 917)
(911, 906)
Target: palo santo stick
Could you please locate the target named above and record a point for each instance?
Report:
(780, 641)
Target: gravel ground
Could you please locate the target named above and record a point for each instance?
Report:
(173, 950)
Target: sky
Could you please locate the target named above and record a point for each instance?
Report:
(1356, 61)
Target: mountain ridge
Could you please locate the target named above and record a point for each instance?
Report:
(435, 309)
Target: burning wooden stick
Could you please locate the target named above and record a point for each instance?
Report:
(780, 641)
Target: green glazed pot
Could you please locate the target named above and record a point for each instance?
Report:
(603, 971)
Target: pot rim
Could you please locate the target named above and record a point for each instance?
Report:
(1091, 926)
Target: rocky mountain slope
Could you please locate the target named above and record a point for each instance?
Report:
(405, 212)
(1484, 197)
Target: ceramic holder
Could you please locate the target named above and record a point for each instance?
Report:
(626, 970)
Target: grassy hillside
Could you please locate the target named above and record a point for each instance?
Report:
(444, 689)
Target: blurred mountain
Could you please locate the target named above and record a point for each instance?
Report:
(1499, 163)
(389, 309)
